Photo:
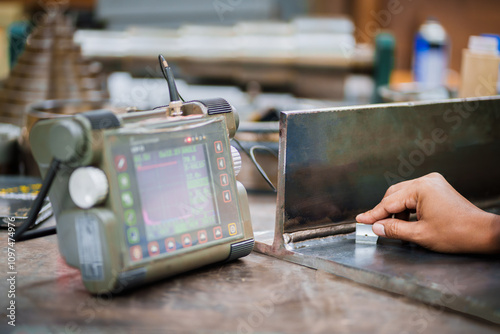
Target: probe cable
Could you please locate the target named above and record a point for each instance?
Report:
(22, 232)
(251, 155)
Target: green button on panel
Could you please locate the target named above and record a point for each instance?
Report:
(130, 217)
(127, 199)
(133, 235)
(123, 181)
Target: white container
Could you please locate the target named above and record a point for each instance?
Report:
(479, 69)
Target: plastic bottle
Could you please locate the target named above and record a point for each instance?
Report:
(430, 58)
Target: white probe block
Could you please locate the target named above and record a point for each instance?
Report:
(365, 234)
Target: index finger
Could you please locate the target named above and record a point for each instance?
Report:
(397, 202)
(398, 186)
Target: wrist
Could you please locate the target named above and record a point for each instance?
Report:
(495, 233)
(484, 238)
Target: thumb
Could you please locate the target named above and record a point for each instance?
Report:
(396, 229)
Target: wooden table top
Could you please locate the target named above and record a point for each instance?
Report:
(256, 294)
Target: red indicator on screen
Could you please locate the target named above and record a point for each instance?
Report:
(170, 244)
(136, 253)
(226, 195)
(217, 232)
(120, 163)
(188, 140)
(202, 236)
(153, 248)
(221, 163)
(224, 180)
(186, 240)
(218, 147)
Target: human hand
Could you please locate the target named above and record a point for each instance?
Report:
(446, 221)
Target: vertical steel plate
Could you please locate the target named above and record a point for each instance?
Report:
(335, 163)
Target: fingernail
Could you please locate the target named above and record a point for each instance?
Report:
(379, 229)
(359, 216)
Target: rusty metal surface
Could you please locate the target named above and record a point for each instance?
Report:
(336, 163)
(257, 294)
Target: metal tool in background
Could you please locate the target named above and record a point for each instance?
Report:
(51, 67)
(336, 163)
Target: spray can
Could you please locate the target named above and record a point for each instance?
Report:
(430, 57)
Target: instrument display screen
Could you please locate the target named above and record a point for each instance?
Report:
(187, 202)
(176, 188)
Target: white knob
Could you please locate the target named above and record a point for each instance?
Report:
(236, 160)
(88, 186)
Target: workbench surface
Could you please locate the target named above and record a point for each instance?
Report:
(256, 294)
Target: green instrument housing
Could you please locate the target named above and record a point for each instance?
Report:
(168, 200)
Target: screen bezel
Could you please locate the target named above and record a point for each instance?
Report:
(167, 129)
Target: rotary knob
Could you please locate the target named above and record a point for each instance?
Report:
(67, 140)
(88, 186)
(236, 160)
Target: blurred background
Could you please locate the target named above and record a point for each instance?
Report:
(311, 48)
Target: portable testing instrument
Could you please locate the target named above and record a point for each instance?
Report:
(145, 195)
